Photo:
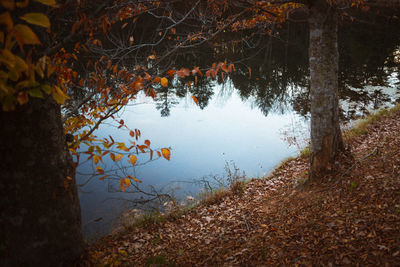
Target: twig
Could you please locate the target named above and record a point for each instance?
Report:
(245, 221)
(359, 161)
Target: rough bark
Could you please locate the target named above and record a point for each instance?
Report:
(326, 138)
(40, 219)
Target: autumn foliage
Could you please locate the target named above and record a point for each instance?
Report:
(39, 60)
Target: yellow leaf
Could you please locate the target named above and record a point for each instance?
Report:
(20, 64)
(46, 88)
(133, 159)
(25, 35)
(35, 92)
(7, 58)
(118, 157)
(59, 95)
(127, 181)
(50, 69)
(166, 153)
(122, 146)
(37, 19)
(96, 159)
(5, 19)
(164, 82)
(122, 252)
(9, 4)
(22, 98)
(39, 70)
(47, 2)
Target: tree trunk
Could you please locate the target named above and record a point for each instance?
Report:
(326, 138)
(40, 219)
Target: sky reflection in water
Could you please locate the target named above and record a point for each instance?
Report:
(202, 141)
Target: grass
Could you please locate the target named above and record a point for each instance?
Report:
(214, 197)
(159, 260)
(305, 153)
(360, 127)
(236, 185)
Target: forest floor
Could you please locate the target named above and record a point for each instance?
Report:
(350, 217)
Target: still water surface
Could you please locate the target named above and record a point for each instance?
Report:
(201, 141)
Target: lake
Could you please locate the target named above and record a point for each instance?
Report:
(202, 142)
(250, 120)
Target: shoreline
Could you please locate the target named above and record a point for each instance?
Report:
(282, 218)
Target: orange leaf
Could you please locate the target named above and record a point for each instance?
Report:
(147, 142)
(133, 178)
(164, 82)
(133, 159)
(102, 178)
(166, 153)
(183, 73)
(112, 156)
(171, 73)
(195, 100)
(121, 185)
(141, 148)
(156, 79)
(99, 170)
(197, 70)
(131, 133)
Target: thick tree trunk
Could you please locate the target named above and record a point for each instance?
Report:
(40, 220)
(326, 138)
